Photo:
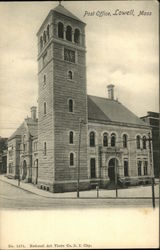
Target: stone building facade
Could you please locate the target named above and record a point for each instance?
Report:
(78, 138)
(22, 159)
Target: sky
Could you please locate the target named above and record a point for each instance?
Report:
(121, 50)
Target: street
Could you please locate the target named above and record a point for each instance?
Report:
(12, 197)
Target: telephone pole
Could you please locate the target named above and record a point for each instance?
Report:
(151, 167)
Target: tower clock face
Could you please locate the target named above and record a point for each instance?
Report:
(69, 55)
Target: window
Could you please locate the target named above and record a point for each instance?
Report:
(76, 36)
(105, 140)
(69, 33)
(71, 137)
(113, 140)
(45, 108)
(45, 148)
(41, 42)
(71, 159)
(44, 37)
(48, 35)
(35, 146)
(92, 139)
(139, 168)
(44, 80)
(144, 142)
(70, 75)
(125, 168)
(125, 141)
(145, 168)
(138, 141)
(70, 105)
(60, 30)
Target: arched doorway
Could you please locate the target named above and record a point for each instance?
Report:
(111, 169)
(24, 174)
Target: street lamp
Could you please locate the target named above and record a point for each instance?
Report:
(81, 122)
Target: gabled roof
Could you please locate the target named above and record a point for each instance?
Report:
(103, 109)
(60, 9)
(32, 128)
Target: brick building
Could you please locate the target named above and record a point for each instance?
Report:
(153, 119)
(80, 137)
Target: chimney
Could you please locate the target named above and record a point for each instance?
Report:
(110, 91)
(33, 113)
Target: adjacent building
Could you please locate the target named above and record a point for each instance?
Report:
(3, 155)
(153, 119)
(78, 137)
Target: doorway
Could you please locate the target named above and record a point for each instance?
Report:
(111, 169)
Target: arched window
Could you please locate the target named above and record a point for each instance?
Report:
(60, 30)
(45, 148)
(76, 36)
(41, 42)
(125, 141)
(144, 142)
(138, 141)
(92, 139)
(105, 140)
(113, 140)
(71, 137)
(44, 108)
(44, 80)
(71, 159)
(70, 105)
(69, 33)
(70, 75)
(44, 37)
(48, 35)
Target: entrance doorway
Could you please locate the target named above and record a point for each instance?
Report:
(111, 169)
(93, 168)
(24, 174)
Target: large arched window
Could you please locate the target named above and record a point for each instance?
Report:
(138, 142)
(44, 37)
(48, 34)
(92, 139)
(60, 30)
(70, 105)
(69, 33)
(71, 137)
(41, 42)
(71, 160)
(144, 142)
(113, 140)
(76, 36)
(125, 141)
(105, 140)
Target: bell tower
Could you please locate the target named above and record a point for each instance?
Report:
(62, 102)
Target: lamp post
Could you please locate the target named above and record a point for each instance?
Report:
(79, 148)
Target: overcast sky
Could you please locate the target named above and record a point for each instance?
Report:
(122, 50)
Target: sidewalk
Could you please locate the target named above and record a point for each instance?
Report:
(134, 192)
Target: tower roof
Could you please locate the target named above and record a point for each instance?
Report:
(62, 10)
